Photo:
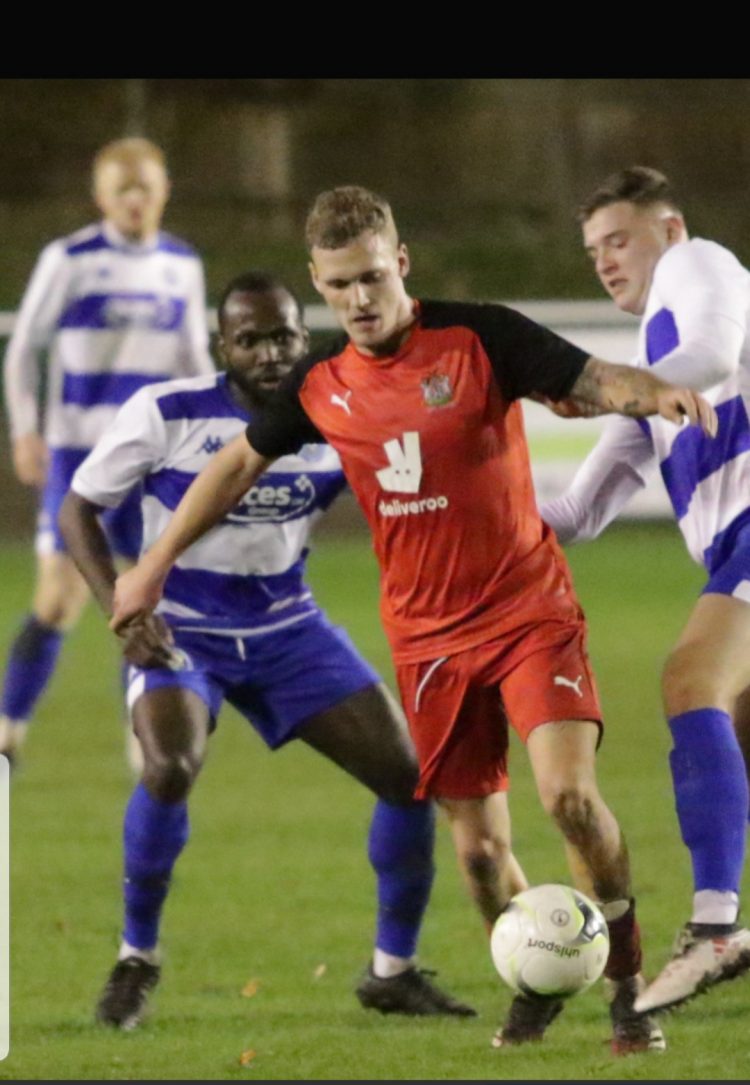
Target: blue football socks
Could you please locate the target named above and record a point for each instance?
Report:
(30, 665)
(400, 849)
(155, 833)
(711, 796)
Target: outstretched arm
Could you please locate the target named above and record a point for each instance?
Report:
(604, 388)
(146, 643)
(214, 492)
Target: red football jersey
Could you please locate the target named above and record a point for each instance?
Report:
(432, 442)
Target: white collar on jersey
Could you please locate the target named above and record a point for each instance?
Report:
(114, 236)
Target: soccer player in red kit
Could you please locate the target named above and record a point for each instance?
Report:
(421, 400)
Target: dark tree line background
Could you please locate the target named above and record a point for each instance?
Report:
(483, 174)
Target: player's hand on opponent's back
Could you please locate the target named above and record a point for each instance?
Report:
(137, 592)
(147, 642)
(31, 459)
(676, 404)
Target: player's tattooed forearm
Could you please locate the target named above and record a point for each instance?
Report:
(610, 387)
(588, 387)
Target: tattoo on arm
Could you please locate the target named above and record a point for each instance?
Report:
(604, 386)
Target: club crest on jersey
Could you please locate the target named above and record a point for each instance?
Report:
(437, 390)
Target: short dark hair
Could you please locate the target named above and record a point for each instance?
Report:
(340, 215)
(640, 185)
(256, 282)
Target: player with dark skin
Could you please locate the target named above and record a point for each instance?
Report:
(261, 336)
(378, 397)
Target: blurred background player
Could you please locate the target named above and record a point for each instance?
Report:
(114, 306)
(694, 298)
(421, 401)
(238, 622)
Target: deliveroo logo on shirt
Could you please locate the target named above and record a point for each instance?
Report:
(404, 471)
(403, 475)
(276, 498)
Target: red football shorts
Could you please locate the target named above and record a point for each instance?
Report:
(459, 706)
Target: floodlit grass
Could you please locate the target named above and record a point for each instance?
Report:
(275, 887)
(561, 446)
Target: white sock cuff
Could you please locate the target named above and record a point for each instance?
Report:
(386, 965)
(715, 906)
(12, 733)
(150, 956)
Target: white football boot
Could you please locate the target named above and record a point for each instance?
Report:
(697, 963)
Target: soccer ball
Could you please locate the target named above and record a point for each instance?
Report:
(550, 940)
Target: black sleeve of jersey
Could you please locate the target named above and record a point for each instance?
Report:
(525, 356)
(282, 427)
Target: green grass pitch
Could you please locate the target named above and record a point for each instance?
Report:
(275, 888)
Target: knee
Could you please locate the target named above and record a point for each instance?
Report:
(169, 778)
(480, 864)
(56, 615)
(482, 857)
(573, 808)
(60, 592)
(397, 785)
(59, 609)
(689, 681)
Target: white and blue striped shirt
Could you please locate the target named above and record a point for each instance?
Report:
(245, 576)
(111, 317)
(695, 331)
(696, 285)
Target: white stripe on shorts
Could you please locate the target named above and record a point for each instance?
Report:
(135, 689)
(426, 679)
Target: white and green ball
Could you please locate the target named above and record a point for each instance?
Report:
(551, 940)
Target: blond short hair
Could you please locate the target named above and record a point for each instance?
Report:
(340, 215)
(127, 151)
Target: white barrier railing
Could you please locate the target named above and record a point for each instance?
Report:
(570, 315)
(557, 445)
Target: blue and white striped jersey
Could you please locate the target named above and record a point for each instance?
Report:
(695, 331)
(111, 317)
(245, 576)
(698, 286)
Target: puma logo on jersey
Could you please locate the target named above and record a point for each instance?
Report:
(339, 401)
(405, 471)
(559, 680)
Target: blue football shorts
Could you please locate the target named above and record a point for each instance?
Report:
(275, 680)
(123, 525)
(732, 576)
